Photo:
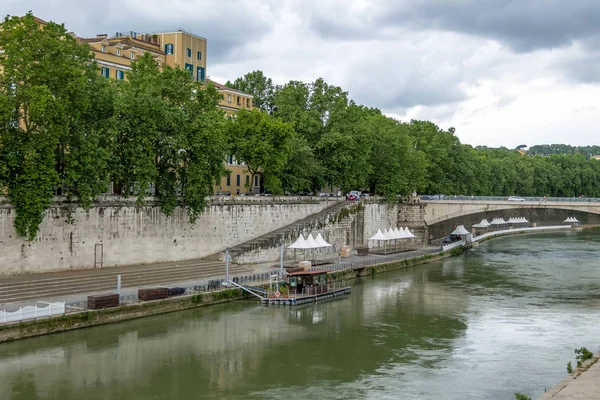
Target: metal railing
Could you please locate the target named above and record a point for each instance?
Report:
(32, 312)
(505, 198)
(381, 259)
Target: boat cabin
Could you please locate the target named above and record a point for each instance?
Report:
(308, 282)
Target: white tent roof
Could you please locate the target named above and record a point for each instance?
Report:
(300, 243)
(389, 233)
(571, 219)
(312, 242)
(460, 230)
(512, 220)
(378, 236)
(408, 233)
(498, 221)
(483, 224)
(400, 233)
(321, 242)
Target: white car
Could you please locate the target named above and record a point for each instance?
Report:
(515, 198)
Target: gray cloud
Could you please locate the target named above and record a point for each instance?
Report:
(582, 69)
(227, 25)
(524, 25)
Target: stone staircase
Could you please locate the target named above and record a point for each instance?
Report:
(289, 232)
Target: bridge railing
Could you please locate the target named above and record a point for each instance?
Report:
(505, 198)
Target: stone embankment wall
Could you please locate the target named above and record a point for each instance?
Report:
(114, 232)
(351, 226)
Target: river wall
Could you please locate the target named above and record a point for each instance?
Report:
(350, 226)
(114, 232)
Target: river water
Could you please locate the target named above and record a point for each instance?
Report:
(503, 318)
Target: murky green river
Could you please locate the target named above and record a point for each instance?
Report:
(503, 318)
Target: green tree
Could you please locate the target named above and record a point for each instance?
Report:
(345, 150)
(170, 135)
(396, 168)
(263, 143)
(259, 86)
(54, 110)
(204, 151)
(301, 169)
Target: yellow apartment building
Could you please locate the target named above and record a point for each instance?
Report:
(114, 55)
(232, 100)
(186, 50)
(238, 180)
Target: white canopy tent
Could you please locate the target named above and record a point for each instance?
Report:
(310, 243)
(460, 230)
(408, 233)
(300, 243)
(321, 242)
(400, 233)
(379, 237)
(571, 220)
(483, 224)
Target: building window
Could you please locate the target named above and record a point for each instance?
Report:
(256, 180)
(199, 55)
(168, 49)
(189, 52)
(247, 103)
(247, 180)
(229, 98)
(239, 101)
(118, 52)
(103, 49)
(200, 73)
(238, 180)
(120, 75)
(105, 72)
(230, 160)
(132, 55)
(190, 68)
(228, 180)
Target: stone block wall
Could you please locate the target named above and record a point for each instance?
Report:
(344, 227)
(114, 232)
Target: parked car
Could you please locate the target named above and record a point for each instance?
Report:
(515, 198)
(354, 193)
(351, 197)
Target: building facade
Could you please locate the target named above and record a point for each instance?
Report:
(239, 181)
(185, 50)
(114, 55)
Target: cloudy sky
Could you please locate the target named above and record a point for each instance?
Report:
(502, 72)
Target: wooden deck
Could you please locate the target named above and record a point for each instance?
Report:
(297, 300)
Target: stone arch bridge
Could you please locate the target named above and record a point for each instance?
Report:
(441, 215)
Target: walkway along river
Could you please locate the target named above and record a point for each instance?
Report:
(504, 317)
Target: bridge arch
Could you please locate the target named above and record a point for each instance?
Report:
(440, 217)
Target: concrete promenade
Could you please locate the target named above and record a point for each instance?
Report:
(583, 384)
